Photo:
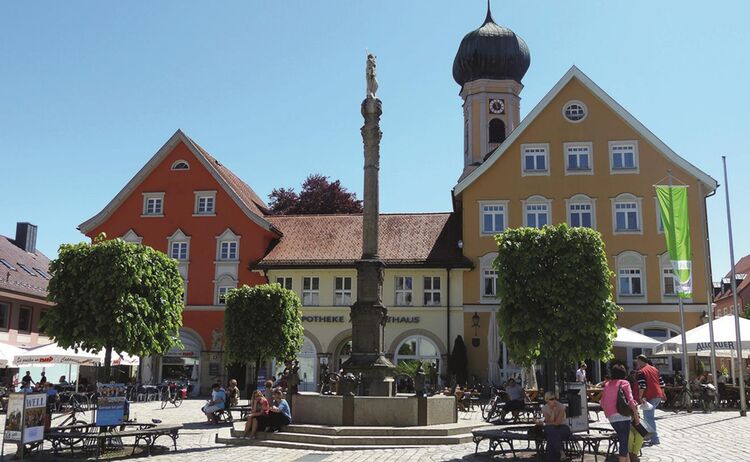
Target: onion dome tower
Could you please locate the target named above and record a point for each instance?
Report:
(489, 65)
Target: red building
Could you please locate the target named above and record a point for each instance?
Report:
(723, 291)
(187, 204)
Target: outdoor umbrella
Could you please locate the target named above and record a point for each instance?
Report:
(55, 354)
(118, 359)
(699, 340)
(631, 339)
(7, 353)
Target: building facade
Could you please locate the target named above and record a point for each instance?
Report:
(24, 274)
(723, 296)
(578, 158)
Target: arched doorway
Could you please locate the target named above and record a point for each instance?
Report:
(308, 365)
(184, 364)
(341, 355)
(415, 349)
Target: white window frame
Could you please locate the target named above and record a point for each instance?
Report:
(615, 145)
(342, 296)
(311, 295)
(432, 292)
(577, 200)
(404, 296)
(579, 103)
(487, 270)
(153, 196)
(535, 201)
(221, 292)
(536, 172)
(627, 198)
(629, 261)
(630, 274)
(578, 145)
(178, 162)
(285, 281)
(180, 245)
(205, 195)
(503, 205)
(665, 269)
(228, 244)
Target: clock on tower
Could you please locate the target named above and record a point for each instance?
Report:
(497, 106)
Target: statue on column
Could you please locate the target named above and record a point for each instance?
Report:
(371, 75)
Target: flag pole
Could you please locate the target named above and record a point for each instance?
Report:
(738, 346)
(685, 367)
(709, 292)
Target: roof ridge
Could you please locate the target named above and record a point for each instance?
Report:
(356, 214)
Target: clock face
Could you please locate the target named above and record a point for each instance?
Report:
(497, 106)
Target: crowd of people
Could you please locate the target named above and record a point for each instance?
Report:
(267, 409)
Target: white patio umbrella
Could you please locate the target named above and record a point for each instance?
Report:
(699, 340)
(7, 353)
(118, 359)
(631, 339)
(55, 354)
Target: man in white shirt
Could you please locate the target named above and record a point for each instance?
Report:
(581, 373)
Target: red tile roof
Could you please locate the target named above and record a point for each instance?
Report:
(742, 267)
(414, 239)
(17, 279)
(243, 190)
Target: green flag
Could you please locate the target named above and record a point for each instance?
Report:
(673, 204)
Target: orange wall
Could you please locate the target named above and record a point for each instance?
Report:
(179, 203)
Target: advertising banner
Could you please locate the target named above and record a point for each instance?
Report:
(14, 422)
(673, 205)
(111, 404)
(34, 413)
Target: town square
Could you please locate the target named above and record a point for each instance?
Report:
(318, 231)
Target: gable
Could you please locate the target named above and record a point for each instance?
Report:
(606, 118)
(181, 147)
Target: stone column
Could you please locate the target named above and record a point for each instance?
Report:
(368, 313)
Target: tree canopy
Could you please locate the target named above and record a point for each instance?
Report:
(115, 295)
(555, 295)
(318, 196)
(261, 323)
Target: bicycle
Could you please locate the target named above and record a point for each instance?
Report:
(494, 408)
(707, 398)
(171, 394)
(683, 400)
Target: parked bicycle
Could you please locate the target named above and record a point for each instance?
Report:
(493, 409)
(172, 394)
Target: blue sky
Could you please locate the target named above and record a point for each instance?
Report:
(90, 90)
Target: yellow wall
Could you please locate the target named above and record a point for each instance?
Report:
(503, 181)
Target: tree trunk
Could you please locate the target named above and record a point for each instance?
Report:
(107, 364)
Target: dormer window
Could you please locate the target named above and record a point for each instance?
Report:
(180, 165)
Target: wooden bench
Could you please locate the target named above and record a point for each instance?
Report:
(91, 437)
(578, 445)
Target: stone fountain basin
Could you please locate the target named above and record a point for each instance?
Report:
(397, 411)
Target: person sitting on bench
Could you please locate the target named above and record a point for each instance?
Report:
(218, 396)
(515, 399)
(279, 414)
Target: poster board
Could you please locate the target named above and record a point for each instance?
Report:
(25, 418)
(14, 423)
(110, 409)
(581, 422)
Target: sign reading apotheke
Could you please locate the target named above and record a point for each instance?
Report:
(342, 319)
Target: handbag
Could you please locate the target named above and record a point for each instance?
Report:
(623, 406)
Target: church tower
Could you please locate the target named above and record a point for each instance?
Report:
(489, 66)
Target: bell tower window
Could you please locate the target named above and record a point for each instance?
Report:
(496, 132)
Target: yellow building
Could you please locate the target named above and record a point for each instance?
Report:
(422, 285)
(579, 158)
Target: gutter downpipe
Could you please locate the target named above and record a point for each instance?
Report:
(709, 285)
(448, 314)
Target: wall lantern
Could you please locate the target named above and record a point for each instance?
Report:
(704, 317)
(475, 324)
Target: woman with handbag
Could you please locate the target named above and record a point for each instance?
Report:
(619, 407)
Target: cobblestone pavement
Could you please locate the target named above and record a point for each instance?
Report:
(694, 437)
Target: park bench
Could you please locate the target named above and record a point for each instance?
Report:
(90, 437)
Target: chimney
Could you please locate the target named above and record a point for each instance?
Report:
(26, 236)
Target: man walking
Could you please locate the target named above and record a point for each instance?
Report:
(649, 385)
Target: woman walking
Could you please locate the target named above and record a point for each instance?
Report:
(619, 414)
